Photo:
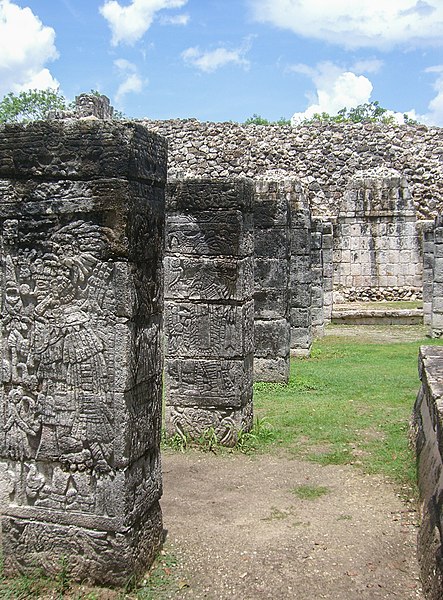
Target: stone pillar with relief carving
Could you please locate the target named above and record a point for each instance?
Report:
(209, 311)
(81, 232)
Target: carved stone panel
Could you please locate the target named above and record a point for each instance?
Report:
(80, 400)
(209, 308)
(272, 249)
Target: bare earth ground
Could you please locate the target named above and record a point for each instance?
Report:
(239, 531)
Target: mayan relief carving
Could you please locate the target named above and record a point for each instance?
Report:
(57, 343)
(81, 303)
(209, 308)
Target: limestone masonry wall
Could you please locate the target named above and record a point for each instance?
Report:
(427, 422)
(324, 157)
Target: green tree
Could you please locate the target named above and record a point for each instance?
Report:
(370, 112)
(30, 105)
(259, 120)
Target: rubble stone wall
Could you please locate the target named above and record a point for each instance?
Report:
(324, 156)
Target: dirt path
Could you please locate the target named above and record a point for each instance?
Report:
(240, 531)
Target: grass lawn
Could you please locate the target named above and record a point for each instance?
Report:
(350, 402)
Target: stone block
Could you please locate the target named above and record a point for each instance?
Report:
(273, 370)
(272, 338)
(209, 233)
(80, 400)
(203, 330)
(215, 279)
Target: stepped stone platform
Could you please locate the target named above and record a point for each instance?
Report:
(375, 314)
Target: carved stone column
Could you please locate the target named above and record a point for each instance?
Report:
(300, 273)
(271, 272)
(209, 307)
(81, 223)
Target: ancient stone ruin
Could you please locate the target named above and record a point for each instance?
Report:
(209, 314)
(81, 230)
(280, 218)
(376, 246)
(428, 434)
(272, 260)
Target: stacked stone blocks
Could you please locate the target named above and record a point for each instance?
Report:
(272, 329)
(81, 218)
(209, 309)
(437, 282)
(300, 271)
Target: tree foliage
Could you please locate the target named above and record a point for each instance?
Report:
(30, 105)
(259, 120)
(370, 112)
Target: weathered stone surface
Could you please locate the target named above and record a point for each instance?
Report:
(301, 273)
(428, 432)
(323, 157)
(375, 238)
(209, 309)
(80, 285)
(272, 250)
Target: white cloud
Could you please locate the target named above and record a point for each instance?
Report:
(434, 116)
(211, 60)
(182, 19)
(357, 23)
(132, 82)
(26, 45)
(129, 23)
(336, 89)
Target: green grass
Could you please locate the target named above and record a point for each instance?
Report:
(309, 492)
(350, 403)
(160, 582)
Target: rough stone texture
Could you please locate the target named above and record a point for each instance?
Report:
(209, 308)
(300, 272)
(317, 289)
(87, 106)
(375, 237)
(327, 249)
(272, 329)
(82, 223)
(427, 231)
(437, 281)
(427, 422)
(324, 156)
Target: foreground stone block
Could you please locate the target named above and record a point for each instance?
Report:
(81, 218)
(209, 315)
(428, 433)
(271, 262)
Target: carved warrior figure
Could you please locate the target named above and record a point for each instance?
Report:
(57, 403)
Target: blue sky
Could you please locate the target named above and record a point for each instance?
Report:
(222, 60)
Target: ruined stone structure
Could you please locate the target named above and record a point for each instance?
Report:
(81, 230)
(300, 273)
(209, 313)
(427, 231)
(437, 280)
(324, 156)
(326, 159)
(376, 246)
(272, 254)
(428, 432)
